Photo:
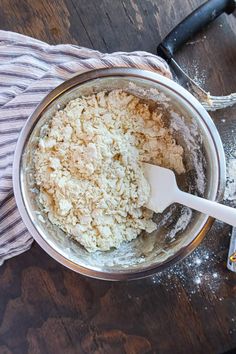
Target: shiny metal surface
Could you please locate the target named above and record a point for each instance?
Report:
(148, 253)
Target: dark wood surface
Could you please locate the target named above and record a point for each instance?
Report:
(191, 308)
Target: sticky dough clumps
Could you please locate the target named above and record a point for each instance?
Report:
(88, 167)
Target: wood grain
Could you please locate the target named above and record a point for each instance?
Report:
(46, 308)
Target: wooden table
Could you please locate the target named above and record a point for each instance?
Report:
(191, 308)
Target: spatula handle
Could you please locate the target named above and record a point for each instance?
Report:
(192, 24)
(214, 209)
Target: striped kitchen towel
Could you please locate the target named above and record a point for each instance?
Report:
(29, 69)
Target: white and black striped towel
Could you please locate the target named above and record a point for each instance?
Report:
(29, 69)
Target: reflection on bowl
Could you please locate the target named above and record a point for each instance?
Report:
(179, 229)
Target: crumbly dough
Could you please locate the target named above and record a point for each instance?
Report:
(88, 167)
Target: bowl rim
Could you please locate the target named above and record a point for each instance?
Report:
(81, 79)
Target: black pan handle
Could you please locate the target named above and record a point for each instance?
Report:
(195, 22)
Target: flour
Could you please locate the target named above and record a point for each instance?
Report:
(197, 270)
(182, 222)
(230, 191)
(190, 135)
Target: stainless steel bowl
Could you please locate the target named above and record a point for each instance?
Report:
(204, 158)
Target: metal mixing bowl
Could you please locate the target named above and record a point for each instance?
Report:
(179, 229)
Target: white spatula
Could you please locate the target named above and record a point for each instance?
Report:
(164, 191)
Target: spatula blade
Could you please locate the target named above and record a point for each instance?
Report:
(163, 187)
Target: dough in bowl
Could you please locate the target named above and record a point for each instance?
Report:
(88, 167)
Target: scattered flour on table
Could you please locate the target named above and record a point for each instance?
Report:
(201, 268)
